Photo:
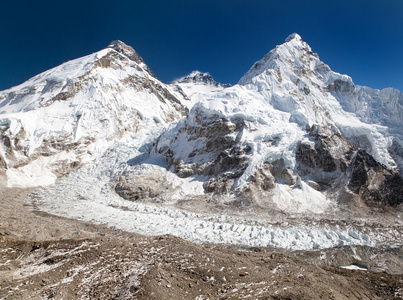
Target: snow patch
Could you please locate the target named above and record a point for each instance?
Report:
(38, 172)
(354, 267)
(300, 198)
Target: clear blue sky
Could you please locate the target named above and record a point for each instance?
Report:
(362, 38)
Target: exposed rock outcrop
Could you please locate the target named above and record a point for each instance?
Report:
(142, 187)
(215, 151)
(325, 150)
(376, 185)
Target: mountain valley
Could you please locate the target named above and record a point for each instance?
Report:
(293, 173)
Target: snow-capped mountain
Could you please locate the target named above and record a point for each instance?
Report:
(294, 155)
(292, 134)
(197, 77)
(196, 86)
(71, 114)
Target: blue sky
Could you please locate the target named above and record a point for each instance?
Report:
(363, 39)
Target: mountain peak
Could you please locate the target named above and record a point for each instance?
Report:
(293, 36)
(117, 43)
(121, 47)
(126, 50)
(197, 76)
(290, 56)
(200, 77)
(131, 54)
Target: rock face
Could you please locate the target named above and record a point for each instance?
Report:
(70, 114)
(140, 187)
(376, 185)
(215, 149)
(325, 150)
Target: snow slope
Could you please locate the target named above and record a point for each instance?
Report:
(292, 79)
(70, 114)
(197, 86)
(292, 114)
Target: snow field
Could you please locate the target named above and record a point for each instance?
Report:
(99, 108)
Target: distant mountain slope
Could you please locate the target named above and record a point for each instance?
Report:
(293, 134)
(196, 86)
(70, 114)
